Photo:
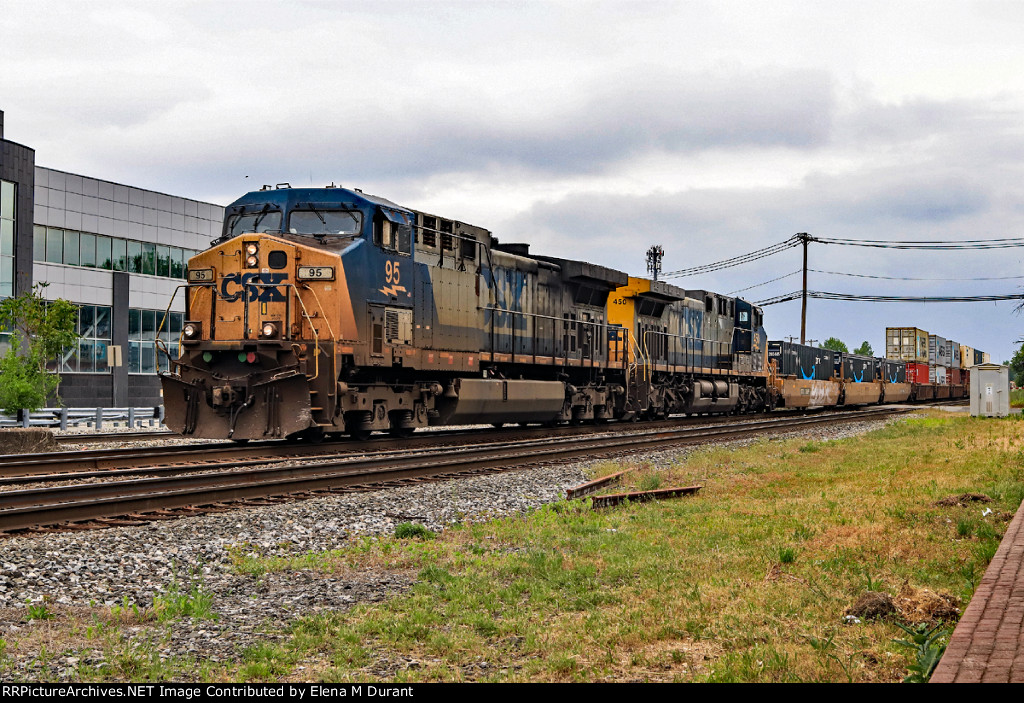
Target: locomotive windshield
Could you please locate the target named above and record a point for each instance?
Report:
(266, 221)
(324, 222)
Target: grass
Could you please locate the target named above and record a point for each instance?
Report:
(747, 581)
(1017, 398)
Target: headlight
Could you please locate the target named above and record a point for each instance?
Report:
(269, 329)
(252, 262)
(190, 330)
(251, 249)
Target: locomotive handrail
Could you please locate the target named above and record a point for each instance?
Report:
(639, 353)
(167, 312)
(334, 340)
(687, 351)
(590, 323)
(316, 336)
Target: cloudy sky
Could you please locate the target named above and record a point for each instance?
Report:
(590, 130)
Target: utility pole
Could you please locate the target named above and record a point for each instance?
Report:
(654, 255)
(804, 238)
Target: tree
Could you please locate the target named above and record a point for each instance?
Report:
(864, 349)
(38, 332)
(835, 344)
(1017, 367)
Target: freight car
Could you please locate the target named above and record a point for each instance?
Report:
(330, 311)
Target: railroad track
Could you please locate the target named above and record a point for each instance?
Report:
(94, 463)
(156, 497)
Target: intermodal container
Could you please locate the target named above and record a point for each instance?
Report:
(893, 371)
(940, 375)
(956, 376)
(855, 368)
(917, 372)
(802, 361)
(978, 356)
(986, 358)
(906, 344)
(938, 350)
(954, 350)
(966, 356)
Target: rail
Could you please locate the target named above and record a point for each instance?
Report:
(315, 333)
(330, 330)
(598, 340)
(50, 505)
(719, 351)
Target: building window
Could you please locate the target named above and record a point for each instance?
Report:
(8, 199)
(144, 328)
(90, 354)
(64, 246)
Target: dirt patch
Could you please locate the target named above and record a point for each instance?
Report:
(871, 605)
(920, 605)
(961, 500)
(26, 440)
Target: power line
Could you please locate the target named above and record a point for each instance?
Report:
(736, 260)
(907, 278)
(850, 297)
(796, 240)
(938, 245)
(758, 285)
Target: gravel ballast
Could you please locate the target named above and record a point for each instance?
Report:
(131, 565)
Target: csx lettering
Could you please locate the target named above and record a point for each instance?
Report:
(267, 293)
(391, 271)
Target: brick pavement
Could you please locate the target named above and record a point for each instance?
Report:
(988, 642)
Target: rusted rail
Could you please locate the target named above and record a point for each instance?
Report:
(594, 486)
(606, 501)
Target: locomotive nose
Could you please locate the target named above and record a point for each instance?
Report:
(265, 314)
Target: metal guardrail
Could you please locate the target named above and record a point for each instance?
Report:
(64, 418)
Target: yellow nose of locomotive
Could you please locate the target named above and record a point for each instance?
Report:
(264, 317)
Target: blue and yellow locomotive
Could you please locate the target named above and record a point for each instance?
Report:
(328, 311)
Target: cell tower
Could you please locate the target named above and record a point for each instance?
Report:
(654, 255)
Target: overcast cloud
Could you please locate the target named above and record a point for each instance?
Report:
(590, 130)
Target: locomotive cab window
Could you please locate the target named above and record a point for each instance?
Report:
(395, 237)
(393, 232)
(260, 221)
(322, 222)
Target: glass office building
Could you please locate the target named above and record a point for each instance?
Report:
(118, 252)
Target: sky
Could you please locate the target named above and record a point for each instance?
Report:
(590, 130)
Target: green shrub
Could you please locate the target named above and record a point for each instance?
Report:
(412, 530)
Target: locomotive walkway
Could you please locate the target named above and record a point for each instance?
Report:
(988, 643)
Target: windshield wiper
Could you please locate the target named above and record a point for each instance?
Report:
(259, 218)
(317, 213)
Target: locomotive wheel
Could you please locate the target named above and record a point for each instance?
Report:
(360, 435)
(402, 432)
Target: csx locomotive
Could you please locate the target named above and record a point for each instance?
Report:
(328, 311)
